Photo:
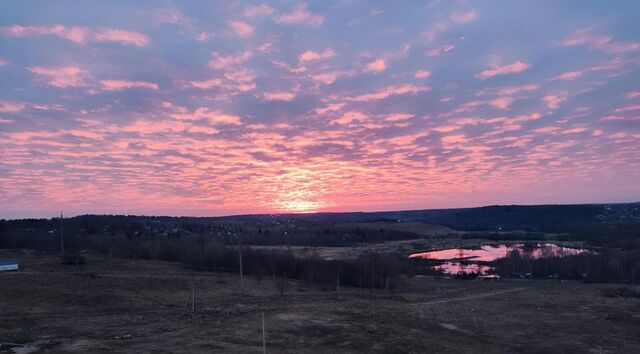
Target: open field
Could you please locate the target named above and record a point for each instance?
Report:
(140, 306)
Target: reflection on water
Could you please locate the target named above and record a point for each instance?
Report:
(457, 268)
(469, 260)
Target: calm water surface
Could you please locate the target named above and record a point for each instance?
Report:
(472, 260)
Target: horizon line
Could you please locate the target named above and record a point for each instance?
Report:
(324, 212)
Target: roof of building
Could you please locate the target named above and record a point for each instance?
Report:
(8, 262)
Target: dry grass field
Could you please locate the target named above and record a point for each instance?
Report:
(141, 307)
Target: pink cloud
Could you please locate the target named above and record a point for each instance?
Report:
(513, 68)
(568, 76)
(300, 15)
(258, 10)
(3, 62)
(440, 50)
(546, 130)
(586, 36)
(377, 65)
(623, 47)
(147, 127)
(124, 37)
(632, 94)
(614, 64)
(332, 107)
(242, 29)
(75, 34)
(396, 117)
(48, 107)
(203, 129)
(267, 46)
(66, 76)
(453, 139)
(390, 91)
(502, 102)
(435, 29)
(167, 15)
(310, 55)
(115, 85)
(634, 107)
(11, 106)
(350, 117)
(460, 17)
(575, 130)
(278, 96)
(612, 118)
(238, 77)
(507, 90)
(421, 74)
(205, 84)
(446, 128)
(214, 117)
(326, 78)
(553, 101)
(80, 35)
(222, 62)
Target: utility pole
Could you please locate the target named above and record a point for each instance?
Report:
(240, 259)
(264, 336)
(61, 238)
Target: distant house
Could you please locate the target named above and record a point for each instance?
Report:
(7, 265)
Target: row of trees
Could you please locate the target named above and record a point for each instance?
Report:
(370, 270)
(606, 265)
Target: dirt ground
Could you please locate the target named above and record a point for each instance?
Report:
(141, 306)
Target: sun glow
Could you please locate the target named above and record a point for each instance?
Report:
(299, 191)
(300, 206)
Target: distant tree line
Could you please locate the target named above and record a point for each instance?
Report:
(605, 265)
(207, 253)
(212, 243)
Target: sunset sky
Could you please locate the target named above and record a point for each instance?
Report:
(227, 107)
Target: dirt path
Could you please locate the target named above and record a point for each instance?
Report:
(461, 298)
(314, 302)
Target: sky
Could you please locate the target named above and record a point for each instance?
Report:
(212, 108)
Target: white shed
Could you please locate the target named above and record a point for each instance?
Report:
(6, 265)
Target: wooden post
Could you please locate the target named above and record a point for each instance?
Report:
(264, 336)
(193, 298)
(338, 286)
(61, 238)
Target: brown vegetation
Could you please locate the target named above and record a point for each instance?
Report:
(126, 306)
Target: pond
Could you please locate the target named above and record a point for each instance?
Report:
(456, 261)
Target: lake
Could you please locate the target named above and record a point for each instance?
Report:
(455, 261)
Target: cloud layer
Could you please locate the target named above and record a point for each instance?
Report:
(210, 108)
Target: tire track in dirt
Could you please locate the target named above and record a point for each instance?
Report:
(460, 298)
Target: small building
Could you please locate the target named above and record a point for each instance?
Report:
(7, 265)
